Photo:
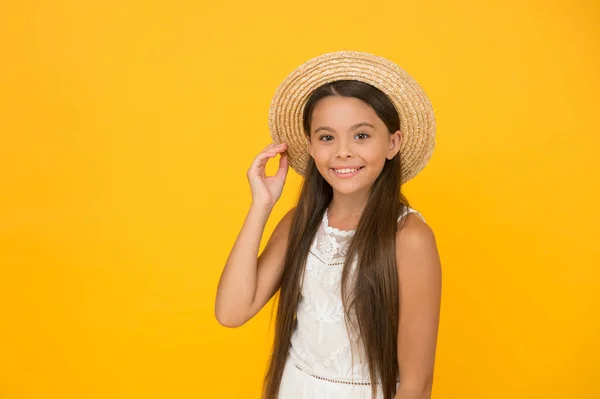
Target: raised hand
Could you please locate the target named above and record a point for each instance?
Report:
(266, 190)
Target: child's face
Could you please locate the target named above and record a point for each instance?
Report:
(336, 142)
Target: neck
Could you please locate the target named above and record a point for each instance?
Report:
(348, 206)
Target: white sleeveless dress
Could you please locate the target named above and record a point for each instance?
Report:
(319, 364)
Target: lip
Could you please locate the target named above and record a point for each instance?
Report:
(346, 167)
(347, 175)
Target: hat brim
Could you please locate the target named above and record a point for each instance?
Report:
(417, 121)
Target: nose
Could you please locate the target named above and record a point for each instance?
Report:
(343, 150)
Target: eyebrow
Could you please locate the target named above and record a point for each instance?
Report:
(351, 127)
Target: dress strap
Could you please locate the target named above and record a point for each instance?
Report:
(408, 210)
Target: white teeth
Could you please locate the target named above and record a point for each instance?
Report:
(343, 171)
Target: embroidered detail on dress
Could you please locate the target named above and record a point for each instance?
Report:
(306, 353)
(347, 370)
(327, 275)
(328, 246)
(325, 311)
(343, 247)
(333, 230)
(338, 361)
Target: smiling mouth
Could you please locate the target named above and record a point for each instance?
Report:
(347, 171)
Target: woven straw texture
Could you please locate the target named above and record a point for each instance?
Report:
(417, 120)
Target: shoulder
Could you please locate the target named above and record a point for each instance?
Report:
(413, 230)
(416, 245)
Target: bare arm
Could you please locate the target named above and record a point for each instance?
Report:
(420, 284)
(248, 283)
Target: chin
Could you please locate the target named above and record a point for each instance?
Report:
(346, 187)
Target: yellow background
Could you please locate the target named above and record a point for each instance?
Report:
(127, 127)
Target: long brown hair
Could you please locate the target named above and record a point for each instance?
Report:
(374, 296)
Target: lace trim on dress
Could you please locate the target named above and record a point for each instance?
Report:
(345, 233)
(332, 379)
(335, 231)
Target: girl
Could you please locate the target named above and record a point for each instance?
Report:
(357, 269)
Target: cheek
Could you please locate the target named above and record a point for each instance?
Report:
(320, 156)
(376, 159)
(374, 155)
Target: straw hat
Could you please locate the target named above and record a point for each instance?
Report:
(414, 109)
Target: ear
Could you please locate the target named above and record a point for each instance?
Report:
(310, 147)
(394, 144)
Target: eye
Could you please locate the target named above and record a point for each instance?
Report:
(326, 135)
(322, 138)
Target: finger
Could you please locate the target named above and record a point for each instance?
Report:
(278, 146)
(261, 159)
(283, 167)
(274, 145)
(268, 147)
(273, 151)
